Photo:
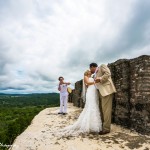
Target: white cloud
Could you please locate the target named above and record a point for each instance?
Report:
(40, 40)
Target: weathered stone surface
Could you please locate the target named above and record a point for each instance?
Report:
(121, 107)
(140, 93)
(76, 95)
(131, 103)
(70, 97)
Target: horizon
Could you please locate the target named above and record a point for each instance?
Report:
(26, 93)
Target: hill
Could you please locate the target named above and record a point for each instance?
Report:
(18, 110)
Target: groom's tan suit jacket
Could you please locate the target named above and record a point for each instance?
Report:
(106, 86)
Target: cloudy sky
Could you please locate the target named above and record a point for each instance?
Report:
(43, 39)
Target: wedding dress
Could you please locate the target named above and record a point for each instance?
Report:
(90, 118)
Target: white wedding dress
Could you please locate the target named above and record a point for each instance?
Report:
(90, 118)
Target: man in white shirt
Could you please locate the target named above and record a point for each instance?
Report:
(62, 87)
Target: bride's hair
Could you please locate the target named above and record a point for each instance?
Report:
(87, 72)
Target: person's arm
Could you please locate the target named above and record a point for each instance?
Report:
(59, 87)
(87, 82)
(67, 83)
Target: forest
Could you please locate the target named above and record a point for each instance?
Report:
(17, 112)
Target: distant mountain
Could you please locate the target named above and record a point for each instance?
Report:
(28, 94)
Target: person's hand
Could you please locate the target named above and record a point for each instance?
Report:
(97, 80)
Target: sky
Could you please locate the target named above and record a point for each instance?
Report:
(41, 40)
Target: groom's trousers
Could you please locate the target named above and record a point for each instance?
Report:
(106, 109)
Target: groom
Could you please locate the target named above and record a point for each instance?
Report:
(106, 88)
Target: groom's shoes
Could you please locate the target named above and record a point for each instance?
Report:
(103, 132)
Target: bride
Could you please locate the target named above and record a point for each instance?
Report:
(89, 120)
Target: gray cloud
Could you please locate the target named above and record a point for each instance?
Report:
(41, 40)
(132, 37)
(133, 34)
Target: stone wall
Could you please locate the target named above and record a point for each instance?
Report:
(75, 96)
(131, 103)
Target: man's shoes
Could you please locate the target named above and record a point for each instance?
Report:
(103, 132)
(64, 113)
(60, 113)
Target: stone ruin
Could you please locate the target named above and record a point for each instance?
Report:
(131, 103)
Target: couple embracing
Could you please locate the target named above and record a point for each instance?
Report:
(98, 92)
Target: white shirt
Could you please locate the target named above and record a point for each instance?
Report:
(63, 90)
(95, 73)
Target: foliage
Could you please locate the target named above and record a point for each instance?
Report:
(17, 112)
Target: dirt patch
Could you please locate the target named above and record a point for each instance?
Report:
(132, 142)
